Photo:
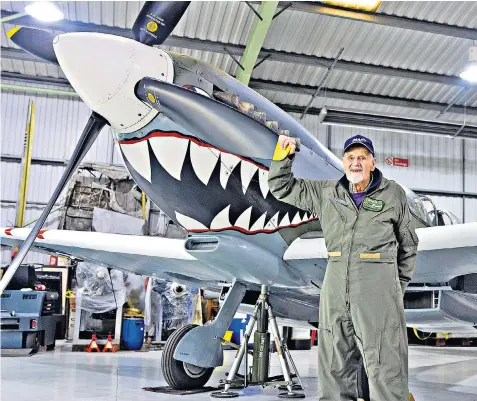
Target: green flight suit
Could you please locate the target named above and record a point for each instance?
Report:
(372, 252)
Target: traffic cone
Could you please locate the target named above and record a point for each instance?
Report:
(93, 346)
(109, 344)
(411, 397)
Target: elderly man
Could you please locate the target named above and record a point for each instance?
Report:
(372, 245)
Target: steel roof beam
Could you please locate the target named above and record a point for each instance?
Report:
(382, 122)
(382, 19)
(237, 50)
(295, 88)
(256, 38)
(36, 79)
(331, 117)
(359, 97)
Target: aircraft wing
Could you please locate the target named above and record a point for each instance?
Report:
(139, 254)
(444, 252)
(202, 260)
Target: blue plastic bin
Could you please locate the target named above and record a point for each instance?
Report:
(238, 327)
(133, 333)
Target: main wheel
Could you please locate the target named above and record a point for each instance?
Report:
(180, 375)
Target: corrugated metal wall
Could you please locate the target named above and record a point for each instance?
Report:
(59, 121)
(471, 166)
(470, 153)
(434, 162)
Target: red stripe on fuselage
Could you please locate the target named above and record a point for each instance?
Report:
(195, 140)
(244, 231)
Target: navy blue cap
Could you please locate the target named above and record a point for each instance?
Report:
(359, 140)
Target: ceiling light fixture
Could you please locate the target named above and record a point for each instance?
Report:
(470, 71)
(44, 11)
(363, 5)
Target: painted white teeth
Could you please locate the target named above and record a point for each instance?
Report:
(228, 163)
(296, 219)
(273, 223)
(285, 221)
(203, 160)
(221, 220)
(247, 170)
(263, 181)
(137, 154)
(170, 152)
(258, 225)
(244, 220)
(189, 223)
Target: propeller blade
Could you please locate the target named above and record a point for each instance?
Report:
(156, 20)
(34, 41)
(93, 127)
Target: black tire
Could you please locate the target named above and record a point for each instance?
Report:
(33, 342)
(179, 375)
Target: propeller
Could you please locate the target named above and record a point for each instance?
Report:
(93, 127)
(34, 41)
(153, 25)
(156, 20)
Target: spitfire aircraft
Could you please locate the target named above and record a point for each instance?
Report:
(199, 144)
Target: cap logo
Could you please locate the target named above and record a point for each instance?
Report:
(358, 140)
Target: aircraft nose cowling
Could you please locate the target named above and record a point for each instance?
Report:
(208, 119)
(104, 69)
(95, 64)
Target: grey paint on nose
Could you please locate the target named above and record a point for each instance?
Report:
(210, 120)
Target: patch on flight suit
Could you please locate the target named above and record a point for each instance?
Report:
(373, 205)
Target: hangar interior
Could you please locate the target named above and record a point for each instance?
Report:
(391, 74)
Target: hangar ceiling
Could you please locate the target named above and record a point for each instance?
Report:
(402, 62)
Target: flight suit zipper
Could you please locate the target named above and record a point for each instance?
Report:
(347, 297)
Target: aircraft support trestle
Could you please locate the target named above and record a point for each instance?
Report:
(260, 367)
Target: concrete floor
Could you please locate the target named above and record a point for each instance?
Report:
(436, 374)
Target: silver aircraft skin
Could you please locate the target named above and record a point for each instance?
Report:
(204, 161)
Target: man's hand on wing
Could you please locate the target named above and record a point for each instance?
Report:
(286, 141)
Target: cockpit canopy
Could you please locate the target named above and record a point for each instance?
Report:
(431, 216)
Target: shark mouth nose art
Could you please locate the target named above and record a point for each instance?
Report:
(206, 189)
